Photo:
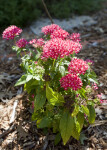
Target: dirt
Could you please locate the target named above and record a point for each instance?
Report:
(22, 133)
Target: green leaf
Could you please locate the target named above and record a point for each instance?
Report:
(37, 77)
(92, 74)
(15, 48)
(29, 77)
(82, 93)
(85, 110)
(31, 85)
(66, 126)
(92, 115)
(57, 138)
(45, 122)
(62, 70)
(78, 129)
(76, 110)
(22, 80)
(53, 97)
(40, 99)
(80, 119)
(92, 77)
(36, 116)
(26, 66)
(93, 80)
(38, 55)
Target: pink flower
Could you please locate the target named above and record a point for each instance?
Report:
(32, 95)
(95, 87)
(89, 61)
(103, 101)
(77, 66)
(21, 43)
(37, 43)
(36, 62)
(50, 29)
(11, 32)
(75, 37)
(32, 41)
(33, 105)
(54, 48)
(77, 95)
(59, 34)
(71, 81)
(88, 86)
(57, 47)
(99, 95)
(72, 47)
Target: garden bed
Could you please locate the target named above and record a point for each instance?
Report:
(22, 133)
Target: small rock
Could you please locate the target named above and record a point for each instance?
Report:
(101, 84)
(70, 147)
(99, 30)
(28, 143)
(69, 24)
(104, 96)
(98, 111)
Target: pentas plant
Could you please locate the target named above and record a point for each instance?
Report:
(61, 86)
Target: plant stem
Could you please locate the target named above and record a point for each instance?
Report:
(53, 62)
(47, 12)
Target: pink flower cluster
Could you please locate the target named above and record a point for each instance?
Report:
(53, 48)
(57, 47)
(37, 42)
(33, 105)
(60, 44)
(94, 86)
(50, 29)
(100, 97)
(75, 37)
(36, 62)
(11, 32)
(59, 34)
(77, 66)
(71, 81)
(103, 101)
(21, 43)
(88, 87)
(72, 47)
(32, 41)
(89, 61)
(32, 95)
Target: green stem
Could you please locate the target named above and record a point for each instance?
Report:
(61, 61)
(53, 62)
(25, 52)
(15, 41)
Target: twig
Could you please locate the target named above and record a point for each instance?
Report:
(19, 96)
(47, 12)
(28, 145)
(98, 123)
(14, 111)
(7, 131)
(45, 143)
